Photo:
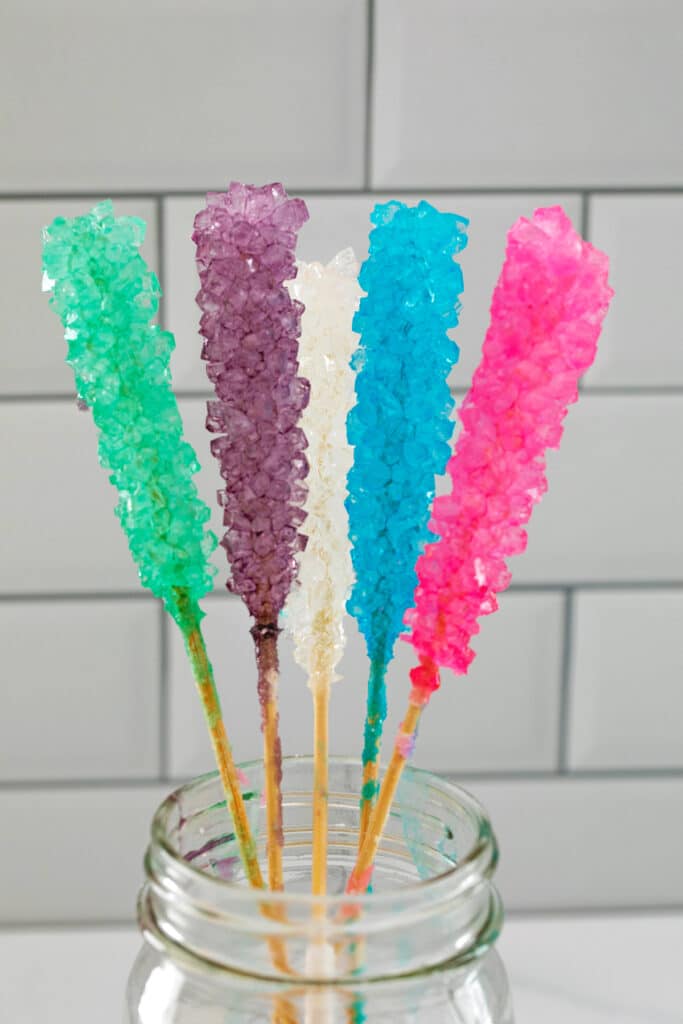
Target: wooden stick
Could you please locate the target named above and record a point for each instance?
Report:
(265, 640)
(361, 875)
(283, 1012)
(374, 723)
(370, 776)
(203, 673)
(272, 769)
(362, 872)
(321, 707)
(320, 955)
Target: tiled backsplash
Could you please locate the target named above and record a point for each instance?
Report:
(570, 724)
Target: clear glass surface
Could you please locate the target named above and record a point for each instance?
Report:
(418, 948)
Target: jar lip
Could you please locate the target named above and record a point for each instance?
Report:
(479, 860)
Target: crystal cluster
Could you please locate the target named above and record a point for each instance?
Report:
(106, 297)
(401, 423)
(245, 242)
(315, 609)
(546, 316)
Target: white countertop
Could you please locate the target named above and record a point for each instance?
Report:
(569, 969)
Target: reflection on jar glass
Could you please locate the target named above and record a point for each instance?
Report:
(418, 948)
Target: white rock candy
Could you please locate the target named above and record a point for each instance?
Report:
(316, 606)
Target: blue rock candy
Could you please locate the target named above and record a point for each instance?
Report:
(401, 424)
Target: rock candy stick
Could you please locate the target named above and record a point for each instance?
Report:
(400, 427)
(106, 298)
(546, 316)
(245, 242)
(316, 605)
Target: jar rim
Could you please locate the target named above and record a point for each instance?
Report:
(479, 860)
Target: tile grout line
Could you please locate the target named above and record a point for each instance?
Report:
(369, 93)
(565, 684)
(585, 203)
(77, 595)
(597, 391)
(164, 706)
(357, 190)
(673, 772)
(497, 777)
(103, 785)
(78, 924)
(161, 261)
(628, 391)
(548, 587)
(583, 228)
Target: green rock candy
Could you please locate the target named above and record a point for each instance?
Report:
(106, 297)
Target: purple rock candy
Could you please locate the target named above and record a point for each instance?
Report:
(245, 241)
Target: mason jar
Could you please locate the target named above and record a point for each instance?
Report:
(418, 947)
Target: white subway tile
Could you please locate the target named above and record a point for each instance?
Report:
(565, 844)
(615, 491)
(600, 487)
(60, 532)
(503, 716)
(336, 222)
(472, 93)
(626, 697)
(82, 694)
(208, 480)
(226, 631)
(643, 237)
(491, 217)
(339, 221)
(180, 311)
(33, 350)
(582, 843)
(73, 854)
(186, 96)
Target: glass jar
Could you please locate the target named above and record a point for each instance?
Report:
(418, 948)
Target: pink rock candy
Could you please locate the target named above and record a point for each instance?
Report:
(546, 315)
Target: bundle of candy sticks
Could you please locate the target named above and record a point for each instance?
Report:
(329, 477)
